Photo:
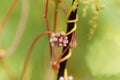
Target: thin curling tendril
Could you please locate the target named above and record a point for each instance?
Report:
(67, 56)
(74, 28)
(74, 6)
(72, 21)
(75, 25)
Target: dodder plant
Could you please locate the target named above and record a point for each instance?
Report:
(60, 39)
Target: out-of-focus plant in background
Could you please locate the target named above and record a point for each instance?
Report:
(95, 59)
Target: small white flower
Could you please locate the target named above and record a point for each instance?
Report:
(61, 39)
(51, 40)
(57, 34)
(53, 34)
(61, 78)
(53, 44)
(64, 45)
(54, 39)
(66, 38)
(69, 78)
(65, 41)
(60, 45)
(62, 33)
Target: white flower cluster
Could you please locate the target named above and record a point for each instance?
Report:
(69, 78)
(59, 39)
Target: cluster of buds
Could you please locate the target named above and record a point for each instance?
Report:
(59, 39)
(68, 78)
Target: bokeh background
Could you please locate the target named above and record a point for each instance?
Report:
(96, 59)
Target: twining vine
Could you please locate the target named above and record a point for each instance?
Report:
(56, 39)
(70, 25)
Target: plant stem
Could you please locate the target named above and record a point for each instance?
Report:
(55, 19)
(72, 16)
(46, 16)
(29, 54)
(48, 27)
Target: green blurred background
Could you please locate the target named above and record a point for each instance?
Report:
(96, 59)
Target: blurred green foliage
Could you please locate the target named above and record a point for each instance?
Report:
(97, 59)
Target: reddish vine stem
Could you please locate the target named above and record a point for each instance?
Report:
(46, 16)
(47, 26)
(55, 16)
(30, 52)
(55, 19)
(58, 61)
